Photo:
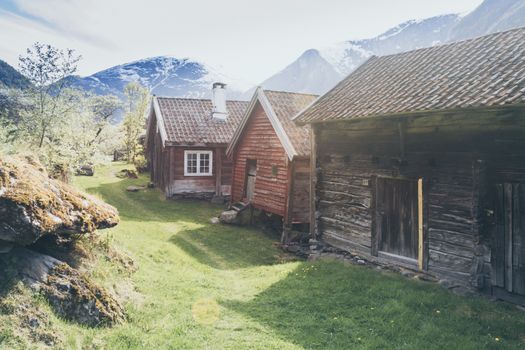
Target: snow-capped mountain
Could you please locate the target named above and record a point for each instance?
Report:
(310, 67)
(163, 75)
(490, 17)
(317, 70)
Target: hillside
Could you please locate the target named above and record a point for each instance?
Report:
(11, 78)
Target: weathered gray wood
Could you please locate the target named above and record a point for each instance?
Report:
(507, 189)
(313, 182)
(518, 232)
(398, 215)
(498, 240)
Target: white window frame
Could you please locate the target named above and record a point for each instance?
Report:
(198, 153)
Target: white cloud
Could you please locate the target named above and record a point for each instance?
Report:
(250, 39)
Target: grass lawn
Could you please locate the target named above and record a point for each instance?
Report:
(205, 286)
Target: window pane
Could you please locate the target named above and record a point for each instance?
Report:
(204, 163)
(191, 166)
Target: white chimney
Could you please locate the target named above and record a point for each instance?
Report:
(219, 110)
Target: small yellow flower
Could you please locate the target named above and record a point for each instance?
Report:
(438, 312)
(497, 339)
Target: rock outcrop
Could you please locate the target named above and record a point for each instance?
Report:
(33, 205)
(71, 294)
(36, 208)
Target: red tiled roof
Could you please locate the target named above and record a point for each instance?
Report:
(189, 121)
(481, 72)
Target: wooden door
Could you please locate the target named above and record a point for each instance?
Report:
(397, 221)
(251, 174)
(508, 240)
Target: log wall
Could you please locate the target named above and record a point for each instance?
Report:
(459, 156)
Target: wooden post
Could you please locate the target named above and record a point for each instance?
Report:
(218, 171)
(420, 223)
(313, 181)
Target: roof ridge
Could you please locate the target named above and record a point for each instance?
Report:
(290, 92)
(195, 99)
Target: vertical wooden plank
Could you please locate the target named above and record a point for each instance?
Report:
(508, 237)
(518, 233)
(373, 237)
(401, 126)
(426, 221)
(289, 201)
(498, 239)
(380, 204)
(420, 223)
(313, 181)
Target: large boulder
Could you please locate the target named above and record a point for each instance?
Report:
(33, 205)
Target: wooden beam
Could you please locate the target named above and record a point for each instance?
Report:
(420, 223)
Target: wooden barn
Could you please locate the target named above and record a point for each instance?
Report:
(419, 161)
(186, 140)
(271, 156)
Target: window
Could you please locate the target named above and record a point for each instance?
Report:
(274, 170)
(198, 163)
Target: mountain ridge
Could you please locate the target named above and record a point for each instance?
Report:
(489, 17)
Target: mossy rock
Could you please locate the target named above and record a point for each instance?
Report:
(75, 298)
(32, 205)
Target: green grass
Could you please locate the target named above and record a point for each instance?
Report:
(205, 286)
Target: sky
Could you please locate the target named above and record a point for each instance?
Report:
(248, 40)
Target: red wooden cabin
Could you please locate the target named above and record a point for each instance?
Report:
(186, 142)
(271, 156)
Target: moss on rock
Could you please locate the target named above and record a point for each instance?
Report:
(75, 298)
(32, 205)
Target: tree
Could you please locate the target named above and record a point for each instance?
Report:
(104, 109)
(137, 101)
(47, 69)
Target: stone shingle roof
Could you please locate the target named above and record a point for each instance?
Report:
(481, 72)
(286, 105)
(189, 121)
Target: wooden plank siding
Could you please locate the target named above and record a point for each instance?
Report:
(260, 142)
(458, 157)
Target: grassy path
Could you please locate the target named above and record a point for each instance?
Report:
(204, 286)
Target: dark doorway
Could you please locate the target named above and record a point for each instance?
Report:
(508, 243)
(251, 174)
(397, 217)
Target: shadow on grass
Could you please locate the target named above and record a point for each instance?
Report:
(326, 305)
(226, 247)
(219, 246)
